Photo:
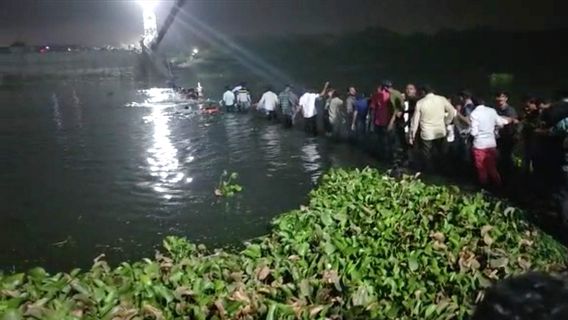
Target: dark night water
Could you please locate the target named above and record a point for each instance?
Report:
(102, 167)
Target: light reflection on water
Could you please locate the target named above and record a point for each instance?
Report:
(78, 108)
(272, 147)
(311, 160)
(57, 118)
(162, 159)
(118, 172)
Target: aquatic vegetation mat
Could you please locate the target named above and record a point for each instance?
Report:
(227, 185)
(365, 247)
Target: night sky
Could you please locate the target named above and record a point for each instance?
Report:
(98, 22)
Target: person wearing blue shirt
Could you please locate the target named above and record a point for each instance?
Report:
(360, 112)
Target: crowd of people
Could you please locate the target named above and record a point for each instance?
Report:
(237, 99)
(433, 133)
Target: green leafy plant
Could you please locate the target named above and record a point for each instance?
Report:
(365, 247)
(227, 186)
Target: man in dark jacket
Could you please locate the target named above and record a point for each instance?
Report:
(507, 135)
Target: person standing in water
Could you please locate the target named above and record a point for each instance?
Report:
(359, 122)
(288, 102)
(229, 100)
(350, 100)
(337, 117)
(381, 115)
(350, 108)
(308, 108)
(396, 127)
(268, 103)
(325, 118)
(387, 107)
(238, 87)
(243, 99)
(432, 115)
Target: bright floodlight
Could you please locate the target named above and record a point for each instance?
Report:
(195, 51)
(150, 22)
(148, 4)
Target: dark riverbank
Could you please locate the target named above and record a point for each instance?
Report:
(449, 60)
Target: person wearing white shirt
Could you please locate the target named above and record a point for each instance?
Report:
(307, 105)
(484, 123)
(243, 99)
(268, 102)
(229, 99)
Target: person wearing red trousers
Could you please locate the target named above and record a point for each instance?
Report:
(484, 121)
(486, 164)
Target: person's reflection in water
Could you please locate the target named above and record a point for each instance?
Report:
(272, 147)
(312, 160)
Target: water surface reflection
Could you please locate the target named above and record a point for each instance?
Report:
(115, 173)
(311, 159)
(162, 161)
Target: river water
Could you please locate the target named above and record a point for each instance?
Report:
(91, 167)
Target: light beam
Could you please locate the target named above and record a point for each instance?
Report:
(150, 21)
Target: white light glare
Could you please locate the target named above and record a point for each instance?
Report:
(150, 24)
(195, 51)
(148, 4)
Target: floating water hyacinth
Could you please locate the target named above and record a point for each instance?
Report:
(364, 247)
(227, 186)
